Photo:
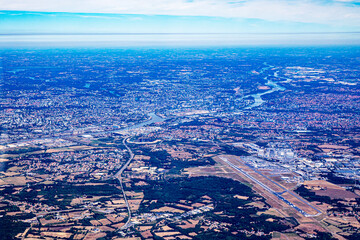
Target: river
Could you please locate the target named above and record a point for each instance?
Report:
(153, 119)
(274, 87)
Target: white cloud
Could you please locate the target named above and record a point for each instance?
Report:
(338, 12)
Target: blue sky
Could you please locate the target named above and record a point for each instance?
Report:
(179, 16)
(40, 22)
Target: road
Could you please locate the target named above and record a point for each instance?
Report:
(118, 176)
(68, 135)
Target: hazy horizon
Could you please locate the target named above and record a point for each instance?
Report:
(177, 39)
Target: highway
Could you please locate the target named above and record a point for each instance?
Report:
(67, 135)
(118, 177)
(278, 195)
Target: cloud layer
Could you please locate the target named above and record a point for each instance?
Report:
(330, 12)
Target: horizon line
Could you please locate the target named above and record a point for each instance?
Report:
(176, 33)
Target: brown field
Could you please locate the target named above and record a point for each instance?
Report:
(202, 171)
(114, 218)
(78, 236)
(343, 221)
(144, 228)
(32, 237)
(241, 197)
(286, 236)
(104, 221)
(182, 237)
(271, 211)
(5, 156)
(10, 173)
(186, 224)
(14, 170)
(336, 194)
(310, 228)
(17, 181)
(146, 234)
(127, 238)
(76, 214)
(323, 207)
(303, 206)
(13, 213)
(324, 188)
(322, 184)
(95, 223)
(163, 234)
(106, 229)
(45, 222)
(121, 201)
(197, 205)
(166, 228)
(94, 236)
(184, 206)
(118, 225)
(116, 205)
(168, 209)
(257, 204)
(57, 234)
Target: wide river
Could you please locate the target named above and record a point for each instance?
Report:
(274, 87)
(153, 119)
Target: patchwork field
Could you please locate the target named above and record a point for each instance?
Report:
(325, 188)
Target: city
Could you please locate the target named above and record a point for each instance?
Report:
(236, 143)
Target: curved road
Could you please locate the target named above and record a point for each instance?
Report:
(118, 177)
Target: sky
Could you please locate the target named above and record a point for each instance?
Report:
(281, 17)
